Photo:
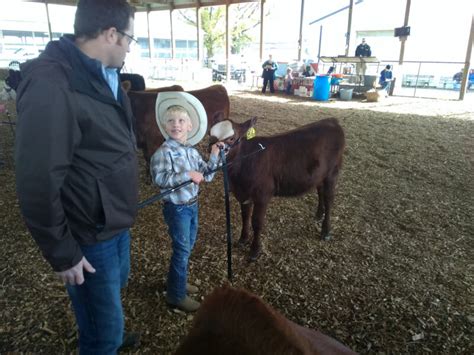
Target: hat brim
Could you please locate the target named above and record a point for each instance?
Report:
(191, 104)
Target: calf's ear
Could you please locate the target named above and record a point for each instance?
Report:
(126, 85)
(218, 117)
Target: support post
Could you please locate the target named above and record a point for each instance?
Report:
(300, 40)
(49, 21)
(150, 41)
(172, 34)
(198, 33)
(262, 3)
(349, 25)
(404, 38)
(227, 44)
(467, 63)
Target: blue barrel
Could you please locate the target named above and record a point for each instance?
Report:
(321, 88)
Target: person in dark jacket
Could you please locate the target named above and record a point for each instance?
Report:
(268, 74)
(362, 50)
(76, 167)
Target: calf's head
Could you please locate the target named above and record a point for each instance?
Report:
(230, 132)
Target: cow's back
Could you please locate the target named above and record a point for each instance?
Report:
(292, 162)
(214, 99)
(234, 322)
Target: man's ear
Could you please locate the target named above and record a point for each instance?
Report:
(111, 35)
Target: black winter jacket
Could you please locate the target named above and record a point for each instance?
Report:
(75, 154)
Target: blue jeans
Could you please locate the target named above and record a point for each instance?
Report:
(182, 221)
(97, 304)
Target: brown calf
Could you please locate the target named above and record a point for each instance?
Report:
(291, 164)
(236, 322)
(214, 99)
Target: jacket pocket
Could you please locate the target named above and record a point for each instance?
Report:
(119, 196)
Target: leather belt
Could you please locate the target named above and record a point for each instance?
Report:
(191, 201)
(187, 203)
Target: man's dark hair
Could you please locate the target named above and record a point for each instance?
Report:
(95, 16)
(388, 67)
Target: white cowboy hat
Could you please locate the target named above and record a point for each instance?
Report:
(191, 104)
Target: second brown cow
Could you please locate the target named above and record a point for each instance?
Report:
(214, 99)
(291, 164)
(236, 322)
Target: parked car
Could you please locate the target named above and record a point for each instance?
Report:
(219, 73)
(13, 58)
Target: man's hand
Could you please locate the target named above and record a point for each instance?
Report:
(75, 275)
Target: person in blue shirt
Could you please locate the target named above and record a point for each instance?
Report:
(385, 79)
(470, 78)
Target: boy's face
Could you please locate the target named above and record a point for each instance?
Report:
(178, 125)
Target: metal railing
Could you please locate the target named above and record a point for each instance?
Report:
(423, 79)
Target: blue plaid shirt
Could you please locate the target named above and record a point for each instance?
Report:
(169, 167)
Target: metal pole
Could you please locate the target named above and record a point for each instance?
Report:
(416, 81)
(150, 42)
(172, 34)
(227, 44)
(262, 2)
(300, 40)
(467, 62)
(319, 46)
(349, 24)
(198, 34)
(227, 216)
(49, 22)
(404, 38)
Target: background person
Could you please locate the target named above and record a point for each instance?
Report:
(470, 79)
(362, 50)
(76, 167)
(268, 74)
(288, 81)
(385, 79)
(458, 77)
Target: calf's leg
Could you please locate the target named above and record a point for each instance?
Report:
(246, 212)
(320, 210)
(329, 187)
(258, 221)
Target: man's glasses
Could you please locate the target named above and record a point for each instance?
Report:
(129, 38)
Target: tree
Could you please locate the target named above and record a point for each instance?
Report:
(213, 26)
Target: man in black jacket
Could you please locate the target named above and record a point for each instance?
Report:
(76, 166)
(362, 50)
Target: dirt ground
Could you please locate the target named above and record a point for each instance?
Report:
(397, 277)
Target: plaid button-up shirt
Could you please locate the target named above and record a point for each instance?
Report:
(169, 167)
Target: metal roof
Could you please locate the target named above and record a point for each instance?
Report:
(158, 5)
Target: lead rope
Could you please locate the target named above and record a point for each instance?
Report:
(227, 214)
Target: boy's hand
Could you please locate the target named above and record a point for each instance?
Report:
(196, 176)
(215, 148)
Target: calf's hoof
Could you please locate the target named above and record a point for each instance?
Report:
(326, 237)
(254, 254)
(242, 243)
(319, 217)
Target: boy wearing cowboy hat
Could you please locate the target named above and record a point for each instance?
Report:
(183, 122)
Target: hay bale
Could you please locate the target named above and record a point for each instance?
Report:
(372, 96)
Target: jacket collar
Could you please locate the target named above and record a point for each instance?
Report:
(86, 74)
